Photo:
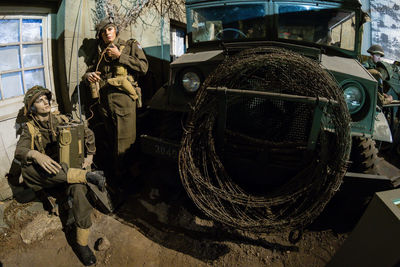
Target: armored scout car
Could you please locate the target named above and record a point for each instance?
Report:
(261, 111)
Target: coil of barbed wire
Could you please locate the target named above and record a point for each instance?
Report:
(257, 126)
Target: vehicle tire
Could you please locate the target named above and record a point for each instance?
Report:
(364, 155)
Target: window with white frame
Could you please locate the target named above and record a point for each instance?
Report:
(178, 39)
(177, 43)
(23, 57)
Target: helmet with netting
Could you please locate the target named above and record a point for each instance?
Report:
(102, 25)
(32, 94)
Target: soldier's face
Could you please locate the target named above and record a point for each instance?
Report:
(109, 34)
(376, 58)
(42, 105)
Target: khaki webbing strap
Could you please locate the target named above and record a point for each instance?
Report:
(36, 137)
(65, 139)
(61, 118)
(32, 131)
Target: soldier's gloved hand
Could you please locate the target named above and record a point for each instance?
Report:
(93, 76)
(87, 162)
(44, 161)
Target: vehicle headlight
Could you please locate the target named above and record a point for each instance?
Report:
(354, 96)
(191, 81)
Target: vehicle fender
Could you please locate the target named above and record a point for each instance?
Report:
(381, 128)
(159, 99)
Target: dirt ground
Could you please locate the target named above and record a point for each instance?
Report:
(160, 226)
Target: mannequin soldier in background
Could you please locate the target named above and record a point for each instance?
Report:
(114, 72)
(37, 150)
(376, 52)
(372, 65)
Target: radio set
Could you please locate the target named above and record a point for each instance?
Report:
(71, 142)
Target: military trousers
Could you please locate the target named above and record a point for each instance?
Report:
(119, 115)
(37, 178)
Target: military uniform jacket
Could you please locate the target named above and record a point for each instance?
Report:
(48, 139)
(369, 64)
(132, 58)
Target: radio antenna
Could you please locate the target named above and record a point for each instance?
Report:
(77, 61)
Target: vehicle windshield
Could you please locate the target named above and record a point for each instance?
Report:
(310, 23)
(327, 26)
(228, 22)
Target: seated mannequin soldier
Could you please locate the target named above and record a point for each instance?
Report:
(37, 150)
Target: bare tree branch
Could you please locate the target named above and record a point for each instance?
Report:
(172, 8)
(127, 13)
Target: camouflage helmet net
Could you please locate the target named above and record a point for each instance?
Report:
(32, 94)
(298, 200)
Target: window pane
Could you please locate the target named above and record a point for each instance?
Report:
(11, 84)
(9, 31)
(10, 58)
(177, 42)
(34, 77)
(31, 30)
(32, 55)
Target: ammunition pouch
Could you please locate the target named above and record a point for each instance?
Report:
(125, 82)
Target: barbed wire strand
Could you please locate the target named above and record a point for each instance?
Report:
(298, 201)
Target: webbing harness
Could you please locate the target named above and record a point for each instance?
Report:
(36, 135)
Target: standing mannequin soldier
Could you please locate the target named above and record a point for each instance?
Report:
(115, 70)
(37, 150)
